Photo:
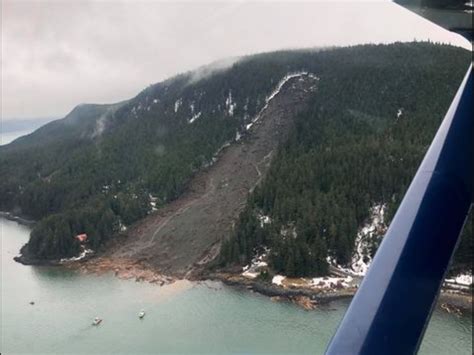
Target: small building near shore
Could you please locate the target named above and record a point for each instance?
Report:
(82, 238)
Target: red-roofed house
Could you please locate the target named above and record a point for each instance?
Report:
(81, 237)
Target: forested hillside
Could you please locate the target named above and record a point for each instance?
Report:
(357, 147)
(371, 119)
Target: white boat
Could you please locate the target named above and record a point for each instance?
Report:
(141, 314)
(97, 321)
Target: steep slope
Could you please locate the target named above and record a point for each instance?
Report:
(105, 167)
(351, 155)
(186, 234)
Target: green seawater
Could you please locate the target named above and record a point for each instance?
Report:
(185, 317)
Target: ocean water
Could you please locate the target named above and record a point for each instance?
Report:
(11, 129)
(185, 317)
(7, 137)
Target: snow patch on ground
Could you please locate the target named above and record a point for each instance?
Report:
(277, 90)
(317, 282)
(331, 260)
(264, 219)
(257, 265)
(153, 206)
(81, 256)
(374, 227)
(230, 105)
(278, 279)
(399, 112)
(122, 227)
(331, 282)
(460, 280)
(153, 201)
(195, 117)
(134, 111)
(178, 104)
(464, 279)
(361, 258)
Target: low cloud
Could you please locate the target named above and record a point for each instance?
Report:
(57, 54)
(206, 71)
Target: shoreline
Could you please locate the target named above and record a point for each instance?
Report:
(123, 268)
(129, 269)
(449, 300)
(19, 219)
(24, 260)
(309, 299)
(271, 290)
(457, 302)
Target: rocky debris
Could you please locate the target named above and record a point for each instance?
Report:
(277, 298)
(309, 297)
(451, 308)
(182, 238)
(305, 302)
(455, 301)
(280, 292)
(126, 269)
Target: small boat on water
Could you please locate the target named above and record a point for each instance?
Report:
(141, 314)
(97, 321)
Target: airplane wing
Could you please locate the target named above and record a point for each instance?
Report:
(453, 15)
(391, 309)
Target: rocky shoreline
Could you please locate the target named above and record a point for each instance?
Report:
(140, 271)
(25, 260)
(19, 219)
(271, 290)
(455, 302)
(451, 301)
(123, 268)
(306, 298)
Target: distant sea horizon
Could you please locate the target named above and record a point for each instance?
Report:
(12, 128)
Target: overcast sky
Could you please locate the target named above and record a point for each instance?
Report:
(57, 54)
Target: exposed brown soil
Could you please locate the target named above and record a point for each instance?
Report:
(180, 239)
(125, 269)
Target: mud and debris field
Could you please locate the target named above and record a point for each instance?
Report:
(185, 235)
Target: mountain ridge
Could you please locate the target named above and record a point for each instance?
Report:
(151, 146)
